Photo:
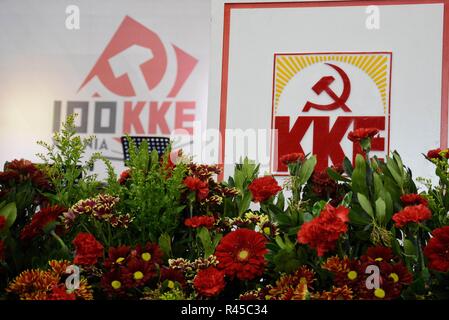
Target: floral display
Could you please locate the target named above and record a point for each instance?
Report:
(167, 228)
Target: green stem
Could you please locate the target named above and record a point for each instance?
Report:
(62, 244)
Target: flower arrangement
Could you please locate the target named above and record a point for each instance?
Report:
(167, 229)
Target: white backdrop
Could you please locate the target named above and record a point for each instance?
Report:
(413, 33)
(42, 61)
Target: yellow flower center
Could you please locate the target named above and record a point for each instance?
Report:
(378, 259)
(120, 260)
(146, 256)
(352, 275)
(138, 275)
(267, 230)
(303, 280)
(116, 284)
(379, 293)
(170, 284)
(243, 254)
(394, 276)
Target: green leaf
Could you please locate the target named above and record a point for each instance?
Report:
(165, 244)
(245, 203)
(380, 210)
(347, 165)
(378, 185)
(334, 175)
(410, 249)
(394, 171)
(306, 170)
(10, 213)
(208, 246)
(280, 242)
(359, 176)
(366, 205)
(359, 217)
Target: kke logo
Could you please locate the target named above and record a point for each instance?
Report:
(319, 98)
(135, 51)
(135, 87)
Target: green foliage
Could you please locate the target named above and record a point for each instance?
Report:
(153, 197)
(67, 167)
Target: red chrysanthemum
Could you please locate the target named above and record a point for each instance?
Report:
(174, 275)
(323, 232)
(150, 253)
(138, 272)
(436, 154)
(87, 249)
(117, 256)
(209, 282)
(124, 176)
(362, 133)
(2, 222)
(60, 293)
(378, 254)
(292, 158)
(241, 254)
(200, 187)
(112, 283)
(200, 221)
(26, 170)
(413, 199)
(437, 250)
(40, 220)
(264, 188)
(412, 214)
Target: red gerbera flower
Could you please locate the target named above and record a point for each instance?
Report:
(40, 220)
(362, 133)
(200, 221)
(323, 232)
(437, 250)
(87, 249)
(292, 158)
(200, 187)
(413, 199)
(241, 254)
(412, 214)
(264, 188)
(209, 282)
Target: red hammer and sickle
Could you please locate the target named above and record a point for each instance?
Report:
(324, 85)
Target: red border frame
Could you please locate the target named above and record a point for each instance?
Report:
(343, 3)
(333, 53)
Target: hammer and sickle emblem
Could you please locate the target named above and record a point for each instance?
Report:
(324, 85)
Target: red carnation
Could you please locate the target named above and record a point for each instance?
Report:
(241, 254)
(209, 282)
(264, 188)
(40, 220)
(323, 232)
(413, 199)
(292, 158)
(87, 249)
(2, 222)
(124, 176)
(411, 214)
(436, 154)
(200, 187)
(362, 133)
(200, 221)
(437, 250)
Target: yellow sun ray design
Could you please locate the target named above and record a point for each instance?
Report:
(374, 65)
